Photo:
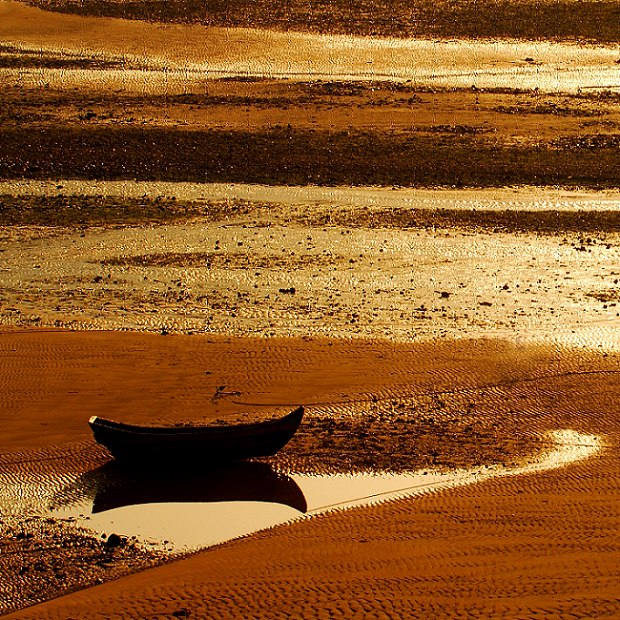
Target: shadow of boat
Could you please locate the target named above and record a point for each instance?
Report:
(116, 486)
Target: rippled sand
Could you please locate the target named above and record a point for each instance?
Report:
(189, 54)
(517, 198)
(431, 331)
(315, 266)
(386, 272)
(471, 550)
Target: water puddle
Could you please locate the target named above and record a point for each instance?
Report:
(179, 512)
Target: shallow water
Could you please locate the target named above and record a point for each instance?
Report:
(514, 199)
(266, 274)
(177, 513)
(551, 79)
(183, 56)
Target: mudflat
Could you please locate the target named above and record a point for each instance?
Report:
(188, 102)
(401, 219)
(488, 548)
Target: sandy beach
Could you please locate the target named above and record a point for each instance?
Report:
(408, 224)
(521, 546)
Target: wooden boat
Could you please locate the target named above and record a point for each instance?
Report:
(172, 445)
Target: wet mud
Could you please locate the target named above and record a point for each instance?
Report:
(300, 157)
(544, 20)
(236, 266)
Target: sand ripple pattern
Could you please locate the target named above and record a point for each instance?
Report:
(497, 549)
(332, 270)
(538, 545)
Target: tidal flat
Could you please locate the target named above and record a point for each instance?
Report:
(404, 218)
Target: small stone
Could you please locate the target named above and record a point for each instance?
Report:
(113, 541)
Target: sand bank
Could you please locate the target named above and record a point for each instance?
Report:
(540, 544)
(527, 546)
(194, 53)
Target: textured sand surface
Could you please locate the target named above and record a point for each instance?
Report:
(191, 53)
(359, 262)
(536, 546)
(537, 268)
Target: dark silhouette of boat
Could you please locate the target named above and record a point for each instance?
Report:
(242, 481)
(173, 445)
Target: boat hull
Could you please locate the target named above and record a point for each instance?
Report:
(172, 445)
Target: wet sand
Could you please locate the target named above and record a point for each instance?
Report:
(184, 102)
(424, 331)
(191, 53)
(291, 132)
(385, 395)
(566, 20)
(527, 546)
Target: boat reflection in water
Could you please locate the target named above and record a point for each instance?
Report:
(180, 509)
(190, 509)
(117, 486)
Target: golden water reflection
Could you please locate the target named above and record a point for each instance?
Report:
(178, 512)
